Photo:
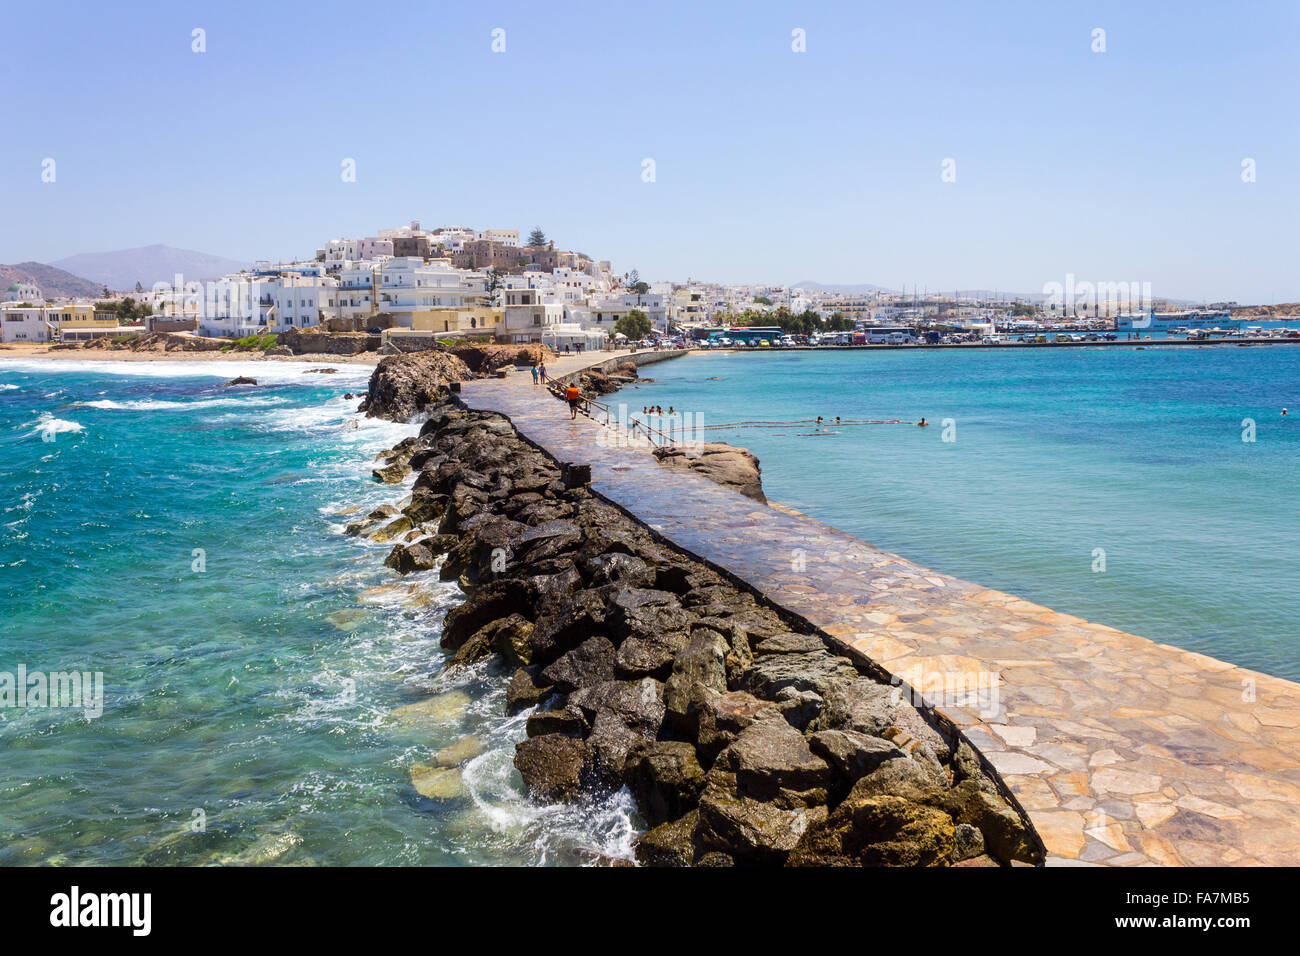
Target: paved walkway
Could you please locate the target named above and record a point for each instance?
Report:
(1122, 751)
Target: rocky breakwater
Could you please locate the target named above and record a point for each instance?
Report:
(743, 735)
(597, 381)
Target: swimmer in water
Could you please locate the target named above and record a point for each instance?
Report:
(923, 423)
(819, 420)
(1284, 412)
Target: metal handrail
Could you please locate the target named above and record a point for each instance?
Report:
(653, 435)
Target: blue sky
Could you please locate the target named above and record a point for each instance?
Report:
(770, 165)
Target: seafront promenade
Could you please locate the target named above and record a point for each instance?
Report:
(1121, 751)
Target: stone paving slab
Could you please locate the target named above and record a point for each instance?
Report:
(1122, 751)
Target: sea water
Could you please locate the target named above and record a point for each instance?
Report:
(1152, 490)
(184, 539)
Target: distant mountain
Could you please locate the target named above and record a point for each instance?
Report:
(121, 270)
(54, 283)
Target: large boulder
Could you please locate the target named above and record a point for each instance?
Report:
(878, 831)
(770, 760)
(551, 766)
(700, 667)
(726, 464)
(403, 386)
(665, 777)
(747, 829)
(406, 558)
(669, 844)
(591, 662)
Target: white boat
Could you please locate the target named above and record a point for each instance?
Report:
(1170, 321)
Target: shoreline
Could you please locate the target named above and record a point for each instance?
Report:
(1186, 766)
(42, 351)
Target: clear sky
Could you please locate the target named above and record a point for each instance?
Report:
(770, 165)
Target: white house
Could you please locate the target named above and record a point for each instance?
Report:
(408, 285)
(604, 312)
(23, 324)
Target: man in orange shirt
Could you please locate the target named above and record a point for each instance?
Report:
(573, 397)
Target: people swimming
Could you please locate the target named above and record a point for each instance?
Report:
(923, 423)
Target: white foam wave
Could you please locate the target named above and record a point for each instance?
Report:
(8, 388)
(156, 405)
(268, 371)
(47, 426)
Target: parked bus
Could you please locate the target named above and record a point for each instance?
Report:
(890, 335)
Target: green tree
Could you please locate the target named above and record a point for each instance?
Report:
(493, 282)
(839, 322)
(537, 237)
(635, 325)
(762, 300)
(632, 281)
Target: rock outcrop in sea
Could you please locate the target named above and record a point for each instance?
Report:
(403, 386)
(726, 464)
(744, 735)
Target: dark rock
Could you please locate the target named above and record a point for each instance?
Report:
(565, 621)
(618, 568)
(402, 386)
(611, 739)
(697, 669)
(722, 717)
(574, 475)
(493, 600)
(510, 638)
(859, 704)
(523, 692)
(771, 757)
(241, 380)
(878, 831)
(591, 662)
(568, 721)
(749, 830)
(551, 766)
(406, 558)
(789, 644)
(852, 754)
(817, 672)
(799, 707)
(649, 656)
(426, 505)
(640, 703)
(968, 842)
(665, 777)
(669, 844)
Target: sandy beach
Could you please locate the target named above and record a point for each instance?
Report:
(47, 350)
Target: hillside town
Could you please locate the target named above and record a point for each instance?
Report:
(413, 287)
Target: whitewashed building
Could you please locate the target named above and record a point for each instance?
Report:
(25, 324)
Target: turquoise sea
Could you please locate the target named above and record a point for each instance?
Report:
(1061, 457)
(184, 539)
